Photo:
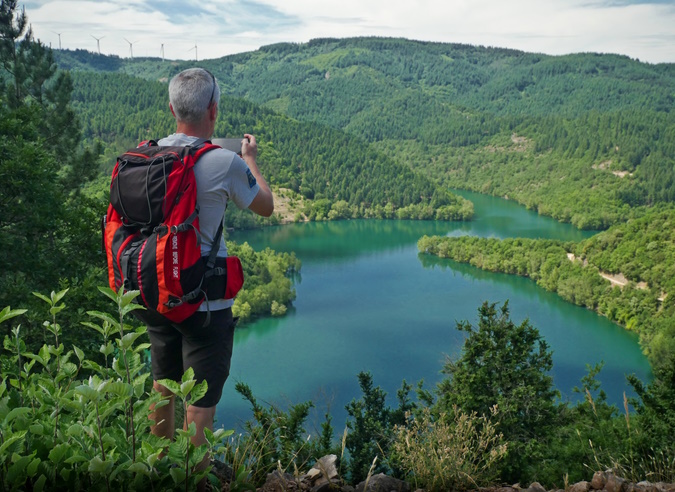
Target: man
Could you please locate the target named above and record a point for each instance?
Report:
(221, 176)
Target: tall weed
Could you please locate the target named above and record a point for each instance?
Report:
(458, 451)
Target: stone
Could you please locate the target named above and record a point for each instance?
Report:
(326, 487)
(615, 484)
(326, 466)
(581, 487)
(535, 487)
(599, 480)
(383, 483)
(279, 482)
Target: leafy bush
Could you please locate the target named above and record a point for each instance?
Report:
(69, 423)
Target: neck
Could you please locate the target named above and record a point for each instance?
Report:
(192, 130)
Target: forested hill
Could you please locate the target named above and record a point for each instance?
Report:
(586, 138)
(324, 164)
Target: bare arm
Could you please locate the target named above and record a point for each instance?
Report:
(263, 203)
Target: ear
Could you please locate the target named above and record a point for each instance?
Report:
(172, 112)
(213, 112)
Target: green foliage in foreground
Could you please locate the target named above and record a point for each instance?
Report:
(506, 366)
(68, 422)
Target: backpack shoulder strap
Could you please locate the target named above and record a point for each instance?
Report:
(147, 143)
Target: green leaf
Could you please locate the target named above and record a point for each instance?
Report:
(119, 388)
(198, 392)
(76, 458)
(39, 484)
(139, 468)
(109, 293)
(141, 347)
(43, 297)
(131, 307)
(128, 340)
(171, 385)
(96, 327)
(105, 317)
(58, 453)
(128, 297)
(57, 296)
(178, 475)
(87, 392)
(16, 412)
(8, 313)
(188, 375)
(10, 440)
(107, 349)
(16, 474)
(75, 430)
(79, 353)
(186, 387)
(69, 369)
(36, 429)
(54, 310)
(89, 364)
(97, 465)
(32, 468)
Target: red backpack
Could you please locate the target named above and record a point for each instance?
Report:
(151, 234)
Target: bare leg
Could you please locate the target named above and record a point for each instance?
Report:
(203, 419)
(164, 417)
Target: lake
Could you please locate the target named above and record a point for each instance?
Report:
(368, 301)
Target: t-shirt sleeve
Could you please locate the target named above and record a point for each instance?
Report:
(241, 184)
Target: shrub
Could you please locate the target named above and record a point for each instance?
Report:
(458, 451)
(69, 423)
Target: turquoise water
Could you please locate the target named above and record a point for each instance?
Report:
(367, 301)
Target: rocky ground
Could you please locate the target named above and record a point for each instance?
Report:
(324, 477)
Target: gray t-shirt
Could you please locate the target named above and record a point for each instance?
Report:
(221, 176)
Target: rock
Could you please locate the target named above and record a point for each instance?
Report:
(581, 487)
(383, 483)
(326, 487)
(326, 467)
(615, 484)
(599, 480)
(279, 482)
(535, 487)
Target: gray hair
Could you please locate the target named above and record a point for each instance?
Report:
(190, 92)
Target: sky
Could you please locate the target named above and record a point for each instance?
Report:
(207, 29)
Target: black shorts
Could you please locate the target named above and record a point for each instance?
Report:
(175, 347)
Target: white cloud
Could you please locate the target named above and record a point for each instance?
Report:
(640, 30)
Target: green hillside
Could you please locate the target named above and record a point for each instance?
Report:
(323, 164)
(585, 138)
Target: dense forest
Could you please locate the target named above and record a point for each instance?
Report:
(316, 161)
(585, 138)
(366, 127)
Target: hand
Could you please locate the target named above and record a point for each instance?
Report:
(249, 147)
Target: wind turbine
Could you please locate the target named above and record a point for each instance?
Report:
(161, 51)
(194, 48)
(59, 35)
(98, 42)
(131, 47)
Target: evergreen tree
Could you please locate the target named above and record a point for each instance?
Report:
(47, 228)
(506, 365)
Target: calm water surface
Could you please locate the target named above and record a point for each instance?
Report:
(367, 301)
